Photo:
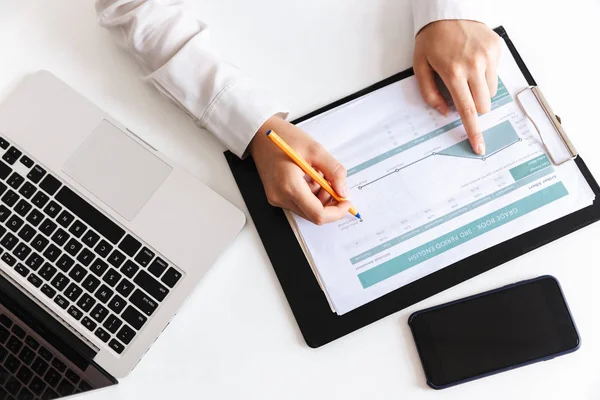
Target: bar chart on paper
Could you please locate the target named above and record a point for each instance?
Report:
(427, 200)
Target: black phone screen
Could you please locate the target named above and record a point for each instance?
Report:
(497, 330)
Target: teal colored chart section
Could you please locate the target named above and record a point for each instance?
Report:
(496, 139)
(450, 216)
(462, 235)
(502, 97)
(530, 167)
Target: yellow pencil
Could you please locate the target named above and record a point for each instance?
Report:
(310, 171)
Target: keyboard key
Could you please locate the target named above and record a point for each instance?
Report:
(77, 273)
(90, 238)
(134, 318)
(98, 267)
(52, 209)
(73, 292)
(59, 365)
(45, 353)
(8, 259)
(50, 394)
(10, 198)
(4, 213)
(31, 342)
(104, 293)
(27, 355)
(47, 227)
(88, 323)
(112, 323)
(103, 248)
(77, 228)
(116, 258)
(24, 375)
(3, 354)
(34, 261)
(52, 377)
(102, 335)
(65, 388)
(27, 233)
(129, 269)
(75, 312)
(144, 257)
(21, 251)
(5, 320)
(151, 285)
(47, 271)
(23, 207)
(25, 394)
(40, 366)
(48, 291)
(111, 277)
(85, 257)
(15, 180)
(35, 217)
(124, 288)
(60, 282)
(144, 302)
(60, 237)
(35, 280)
(13, 385)
(65, 218)
(73, 247)
(157, 267)
(65, 263)
(27, 190)
(117, 304)
(36, 174)
(116, 346)
(50, 184)
(72, 376)
(61, 301)
(12, 155)
(37, 385)
(12, 364)
(18, 331)
(26, 161)
(4, 143)
(9, 241)
(40, 242)
(126, 334)
(40, 199)
(99, 313)
(14, 223)
(90, 283)
(130, 245)
(22, 270)
(52, 252)
(4, 334)
(90, 215)
(14, 344)
(5, 170)
(86, 302)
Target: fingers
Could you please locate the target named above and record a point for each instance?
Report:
(324, 197)
(428, 87)
(331, 168)
(465, 105)
(491, 76)
(481, 93)
(314, 211)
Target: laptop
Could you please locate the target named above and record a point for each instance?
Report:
(102, 238)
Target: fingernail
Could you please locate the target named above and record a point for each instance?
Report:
(441, 110)
(481, 149)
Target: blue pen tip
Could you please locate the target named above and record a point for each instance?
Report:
(268, 132)
(358, 216)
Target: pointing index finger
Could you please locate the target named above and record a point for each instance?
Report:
(463, 100)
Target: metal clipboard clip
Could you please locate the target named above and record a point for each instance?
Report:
(548, 125)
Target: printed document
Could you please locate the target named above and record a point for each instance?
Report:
(426, 199)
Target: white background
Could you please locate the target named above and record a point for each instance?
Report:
(236, 337)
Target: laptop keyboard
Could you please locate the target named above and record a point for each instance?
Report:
(105, 278)
(29, 370)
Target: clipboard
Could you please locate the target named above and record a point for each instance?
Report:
(318, 324)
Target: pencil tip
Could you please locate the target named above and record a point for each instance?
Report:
(358, 216)
(268, 132)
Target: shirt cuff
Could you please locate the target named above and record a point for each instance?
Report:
(237, 114)
(428, 11)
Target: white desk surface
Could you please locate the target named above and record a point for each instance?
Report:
(236, 338)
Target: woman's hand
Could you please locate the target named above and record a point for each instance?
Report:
(286, 185)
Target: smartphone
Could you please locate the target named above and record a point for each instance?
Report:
(495, 331)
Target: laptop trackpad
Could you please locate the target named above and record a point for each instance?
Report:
(117, 170)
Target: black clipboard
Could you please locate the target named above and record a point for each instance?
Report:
(318, 324)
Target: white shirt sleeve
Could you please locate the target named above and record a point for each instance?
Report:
(171, 48)
(427, 11)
